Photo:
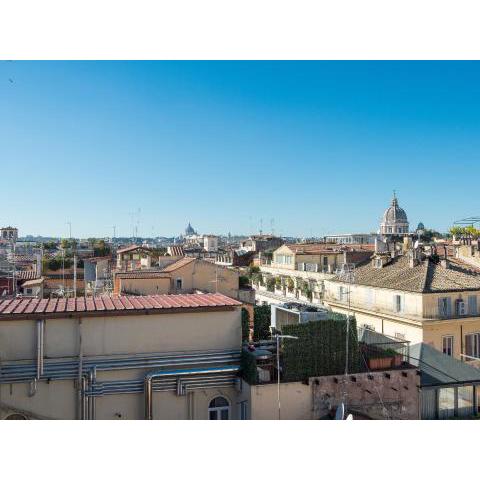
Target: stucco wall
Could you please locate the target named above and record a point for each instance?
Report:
(129, 334)
(295, 400)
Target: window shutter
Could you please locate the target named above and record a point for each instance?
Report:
(449, 307)
(472, 305)
(469, 345)
(441, 313)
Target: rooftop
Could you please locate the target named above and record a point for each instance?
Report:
(427, 276)
(31, 308)
(439, 369)
(178, 264)
(131, 248)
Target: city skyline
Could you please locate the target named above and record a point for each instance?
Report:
(317, 146)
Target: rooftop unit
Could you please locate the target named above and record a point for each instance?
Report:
(293, 313)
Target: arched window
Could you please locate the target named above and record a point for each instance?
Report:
(219, 409)
(15, 416)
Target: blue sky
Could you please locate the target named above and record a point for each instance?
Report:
(317, 146)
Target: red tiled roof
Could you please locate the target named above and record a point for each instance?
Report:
(33, 308)
(142, 274)
(131, 248)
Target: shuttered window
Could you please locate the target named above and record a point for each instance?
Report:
(445, 307)
(472, 305)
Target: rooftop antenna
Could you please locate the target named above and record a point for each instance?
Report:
(69, 230)
(261, 226)
(114, 231)
(272, 226)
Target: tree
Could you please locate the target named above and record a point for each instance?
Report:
(243, 281)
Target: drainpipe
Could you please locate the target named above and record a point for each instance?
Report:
(92, 382)
(40, 348)
(80, 368)
(147, 385)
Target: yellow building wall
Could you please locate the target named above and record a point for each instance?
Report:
(144, 286)
(109, 335)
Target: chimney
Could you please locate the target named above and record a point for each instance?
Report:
(445, 263)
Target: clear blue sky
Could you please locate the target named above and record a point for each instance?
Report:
(318, 146)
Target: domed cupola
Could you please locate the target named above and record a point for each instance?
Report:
(190, 230)
(394, 220)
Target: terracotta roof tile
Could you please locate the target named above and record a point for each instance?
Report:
(33, 307)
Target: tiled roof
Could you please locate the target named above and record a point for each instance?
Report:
(142, 274)
(178, 264)
(426, 277)
(131, 248)
(35, 308)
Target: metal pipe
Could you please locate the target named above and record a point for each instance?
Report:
(20, 372)
(39, 349)
(80, 368)
(179, 373)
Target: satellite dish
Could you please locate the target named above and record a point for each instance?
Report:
(340, 413)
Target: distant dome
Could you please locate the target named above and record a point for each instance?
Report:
(420, 226)
(189, 230)
(394, 219)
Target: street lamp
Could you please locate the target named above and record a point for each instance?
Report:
(278, 337)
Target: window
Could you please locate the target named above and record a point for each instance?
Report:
(447, 345)
(398, 303)
(465, 401)
(243, 410)
(178, 283)
(325, 262)
(400, 336)
(472, 305)
(445, 307)
(219, 409)
(446, 403)
(460, 307)
(342, 294)
(472, 346)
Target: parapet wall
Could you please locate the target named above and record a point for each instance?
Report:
(390, 395)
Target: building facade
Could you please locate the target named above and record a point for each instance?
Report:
(414, 297)
(106, 358)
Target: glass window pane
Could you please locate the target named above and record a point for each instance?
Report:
(224, 414)
(446, 402)
(465, 401)
(213, 415)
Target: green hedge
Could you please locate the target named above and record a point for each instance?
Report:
(320, 349)
(245, 325)
(261, 322)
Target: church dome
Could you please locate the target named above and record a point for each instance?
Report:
(394, 220)
(394, 213)
(189, 230)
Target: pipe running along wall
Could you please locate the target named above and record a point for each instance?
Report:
(178, 374)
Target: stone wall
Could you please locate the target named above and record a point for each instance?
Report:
(391, 395)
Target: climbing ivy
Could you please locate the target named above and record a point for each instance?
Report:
(245, 325)
(320, 348)
(261, 322)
